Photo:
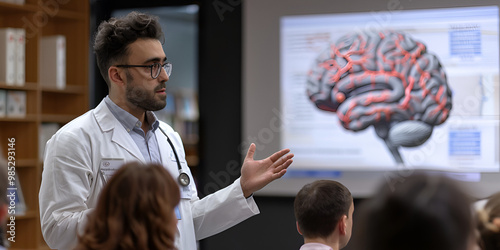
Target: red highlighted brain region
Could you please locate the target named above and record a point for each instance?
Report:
(380, 79)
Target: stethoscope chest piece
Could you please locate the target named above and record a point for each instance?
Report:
(183, 179)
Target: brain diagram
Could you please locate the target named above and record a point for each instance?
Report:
(387, 80)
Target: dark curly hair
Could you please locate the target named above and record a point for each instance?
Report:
(133, 211)
(114, 36)
(319, 205)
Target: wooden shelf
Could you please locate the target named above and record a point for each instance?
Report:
(71, 15)
(9, 8)
(70, 89)
(44, 104)
(26, 163)
(27, 118)
(27, 215)
(27, 86)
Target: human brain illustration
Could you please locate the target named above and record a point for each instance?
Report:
(387, 80)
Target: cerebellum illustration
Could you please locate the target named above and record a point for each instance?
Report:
(387, 80)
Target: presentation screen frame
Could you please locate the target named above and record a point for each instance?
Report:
(265, 119)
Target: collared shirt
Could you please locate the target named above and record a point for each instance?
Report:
(147, 143)
(315, 246)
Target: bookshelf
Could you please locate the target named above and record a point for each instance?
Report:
(182, 113)
(41, 18)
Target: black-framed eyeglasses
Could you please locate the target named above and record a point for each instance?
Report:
(155, 68)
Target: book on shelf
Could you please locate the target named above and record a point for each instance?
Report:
(188, 114)
(13, 1)
(20, 57)
(53, 61)
(16, 103)
(12, 56)
(167, 114)
(3, 102)
(7, 55)
(187, 106)
(182, 113)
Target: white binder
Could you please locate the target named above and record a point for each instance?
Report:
(20, 54)
(7, 55)
(53, 61)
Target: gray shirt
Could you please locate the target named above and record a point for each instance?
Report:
(146, 143)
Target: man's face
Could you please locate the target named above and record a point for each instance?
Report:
(349, 223)
(142, 91)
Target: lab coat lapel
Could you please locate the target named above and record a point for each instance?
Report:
(108, 122)
(122, 138)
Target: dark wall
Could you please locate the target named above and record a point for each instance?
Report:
(220, 133)
(273, 229)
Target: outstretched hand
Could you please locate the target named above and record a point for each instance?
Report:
(256, 174)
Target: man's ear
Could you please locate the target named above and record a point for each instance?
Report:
(114, 74)
(298, 228)
(343, 225)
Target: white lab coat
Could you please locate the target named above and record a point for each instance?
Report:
(71, 183)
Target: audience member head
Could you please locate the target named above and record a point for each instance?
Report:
(489, 223)
(114, 36)
(136, 210)
(421, 211)
(323, 211)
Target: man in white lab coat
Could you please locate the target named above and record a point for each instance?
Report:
(83, 154)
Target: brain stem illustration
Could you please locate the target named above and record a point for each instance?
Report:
(386, 80)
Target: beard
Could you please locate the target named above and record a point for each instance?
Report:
(142, 98)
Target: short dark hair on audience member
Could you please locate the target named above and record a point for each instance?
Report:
(133, 210)
(319, 205)
(489, 225)
(114, 36)
(421, 211)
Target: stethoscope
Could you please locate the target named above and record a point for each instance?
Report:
(183, 178)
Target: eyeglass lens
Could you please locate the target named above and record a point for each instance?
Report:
(156, 69)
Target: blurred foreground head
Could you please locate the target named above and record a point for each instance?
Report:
(136, 210)
(421, 211)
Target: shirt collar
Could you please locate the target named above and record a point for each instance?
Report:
(315, 246)
(128, 120)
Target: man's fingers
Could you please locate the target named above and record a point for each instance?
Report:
(279, 154)
(283, 165)
(250, 152)
(279, 174)
(283, 159)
